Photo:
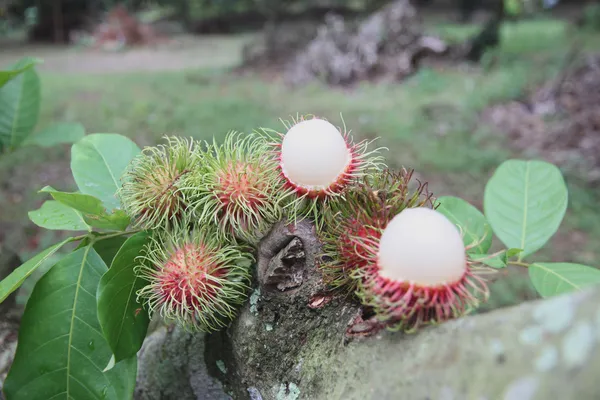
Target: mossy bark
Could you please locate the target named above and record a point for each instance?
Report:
(293, 341)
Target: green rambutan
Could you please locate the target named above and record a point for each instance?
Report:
(194, 278)
(319, 161)
(351, 224)
(237, 187)
(421, 273)
(150, 192)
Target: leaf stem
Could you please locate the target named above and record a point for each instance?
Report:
(114, 234)
(519, 263)
(76, 238)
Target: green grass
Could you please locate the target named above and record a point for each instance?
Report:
(427, 122)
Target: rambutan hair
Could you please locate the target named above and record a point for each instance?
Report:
(308, 197)
(403, 302)
(354, 222)
(150, 192)
(236, 187)
(194, 278)
(406, 306)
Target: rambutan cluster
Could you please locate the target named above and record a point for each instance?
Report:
(208, 204)
(204, 204)
(388, 245)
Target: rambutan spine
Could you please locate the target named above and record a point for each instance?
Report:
(194, 278)
(236, 187)
(150, 192)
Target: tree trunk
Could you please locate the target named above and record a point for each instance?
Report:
(293, 341)
(10, 316)
(489, 36)
(58, 21)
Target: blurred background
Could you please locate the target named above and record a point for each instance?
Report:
(451, 87)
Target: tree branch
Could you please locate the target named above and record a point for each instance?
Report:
(293, 341)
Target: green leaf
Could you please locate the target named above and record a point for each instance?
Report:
(98, 161)
(91, 208)
(124, 321)
(21, 66)
(108, 248)
(525, 202)
(551, 279)
(81, 202)
(471, 221)
(62, 132)
(58, 216)
(19, 108)
(61, 351)
(18, 276)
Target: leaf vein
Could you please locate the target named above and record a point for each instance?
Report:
(83, 262)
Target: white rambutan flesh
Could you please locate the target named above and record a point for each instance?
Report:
(421, 246)
(314, 154)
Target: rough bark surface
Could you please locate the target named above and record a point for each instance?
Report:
(292, 341)
(10, 316)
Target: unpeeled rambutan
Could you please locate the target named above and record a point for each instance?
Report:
(194, 278)
(318, 161)
(354, 222)
(236, 187)
(421, 273)
(150, 192)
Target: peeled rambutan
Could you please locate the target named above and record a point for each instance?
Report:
(236, 187)
(422, 274)
(193, 278)
(352, 224)
(150, 192)
(318, 161)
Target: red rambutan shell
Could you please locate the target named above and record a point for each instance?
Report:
(407, 306)
(187, 280)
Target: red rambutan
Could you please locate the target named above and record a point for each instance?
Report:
(194, 278)
(354, 223)
(421, 273)
(318, 161)
(150, 192)
(236, 187)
